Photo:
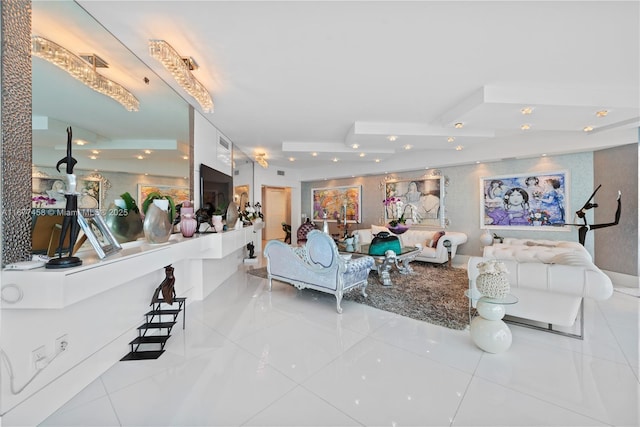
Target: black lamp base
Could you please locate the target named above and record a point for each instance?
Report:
(64, 262)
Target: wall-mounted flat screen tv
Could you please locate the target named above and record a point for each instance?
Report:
(216, 190)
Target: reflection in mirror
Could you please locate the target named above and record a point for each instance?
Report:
(242, 179)
(121, 149)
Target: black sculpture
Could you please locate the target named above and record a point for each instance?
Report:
(251, 249)
(581, 214)
(70, 221)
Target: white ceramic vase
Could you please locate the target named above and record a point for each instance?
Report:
(216, 221)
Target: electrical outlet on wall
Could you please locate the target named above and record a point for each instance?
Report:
(62, 343)
(39, 357)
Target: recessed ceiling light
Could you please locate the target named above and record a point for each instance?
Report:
(147, 151)
(80, 142)
(451, 139)
(335, 159)
(93, 157)
(408, 147)
(588, 128)
(362, 154)
(526, 111)
(602, 113)
(95, 152)
(146, 174)
(459, 148)
(354, 146)
(477, 162)
(140, 157)
(314, 154)
(544, 154)
(292, 159)
(377, 160)
(458, 125)
(525, 126)
(392, 138)
(185, 157)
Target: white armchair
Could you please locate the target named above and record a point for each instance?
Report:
(317, 265)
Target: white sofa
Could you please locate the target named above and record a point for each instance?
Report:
(550, 279)
(415, 236)
(317, 265)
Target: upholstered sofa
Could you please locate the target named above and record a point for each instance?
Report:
(550, 279)
(436, 252)
(317, 265)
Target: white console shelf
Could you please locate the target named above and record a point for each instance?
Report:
(44, 288)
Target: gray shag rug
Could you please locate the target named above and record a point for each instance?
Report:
(434, 294)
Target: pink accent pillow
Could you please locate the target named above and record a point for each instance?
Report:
(436, 237)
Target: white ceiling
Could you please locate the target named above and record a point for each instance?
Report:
(291, 78)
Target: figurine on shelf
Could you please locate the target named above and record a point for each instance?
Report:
(70, 223)
(251, 249)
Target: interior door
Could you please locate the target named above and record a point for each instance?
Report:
(276, 201)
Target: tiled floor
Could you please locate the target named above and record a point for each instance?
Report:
(286, 358)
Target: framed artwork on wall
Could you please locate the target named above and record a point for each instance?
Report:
(98, 233)
(422, 200)
(178, 194)
(334, 200)
(534, 201)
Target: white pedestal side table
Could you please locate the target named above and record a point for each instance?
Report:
(488, 330)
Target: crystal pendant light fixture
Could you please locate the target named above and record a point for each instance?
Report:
(180, 68)
(83, 71)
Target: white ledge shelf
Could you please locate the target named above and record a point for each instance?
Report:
(43, 288)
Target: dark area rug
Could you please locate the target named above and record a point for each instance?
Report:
(434, 294)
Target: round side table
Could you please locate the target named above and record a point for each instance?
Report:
(488, 330)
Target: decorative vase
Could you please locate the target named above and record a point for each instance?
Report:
(216, 221)
(125, 225)
(486, 239)
(493, 285)
(398, 228)
(157, 227)
(188, 224)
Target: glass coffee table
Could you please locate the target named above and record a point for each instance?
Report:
(385, 262)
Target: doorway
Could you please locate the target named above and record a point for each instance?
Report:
(276, 207)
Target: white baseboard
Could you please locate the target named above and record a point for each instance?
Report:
(623, 280)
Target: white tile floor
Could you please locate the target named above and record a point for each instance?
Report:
(286, 358)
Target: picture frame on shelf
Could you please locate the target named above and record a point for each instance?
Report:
(98, 233)
(332, 200)
(423, 200)
(532, 201)
(48, 192)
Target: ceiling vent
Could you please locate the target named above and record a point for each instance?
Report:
(280, 173)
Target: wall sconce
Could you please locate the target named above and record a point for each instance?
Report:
(83, 71)
(180, 68)
(261, 160)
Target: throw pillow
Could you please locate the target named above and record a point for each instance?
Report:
(436, 237)
(571, 258)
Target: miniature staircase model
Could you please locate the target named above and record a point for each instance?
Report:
(161, 320)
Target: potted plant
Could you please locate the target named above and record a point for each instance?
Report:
(155, 195)
(159, 212)
(123, 218)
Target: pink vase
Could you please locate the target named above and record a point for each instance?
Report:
(188, 223)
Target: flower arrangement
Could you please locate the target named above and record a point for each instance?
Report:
(249, 213)
(397, 210)
(493, 266)
(40, 200)
(539, 216)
